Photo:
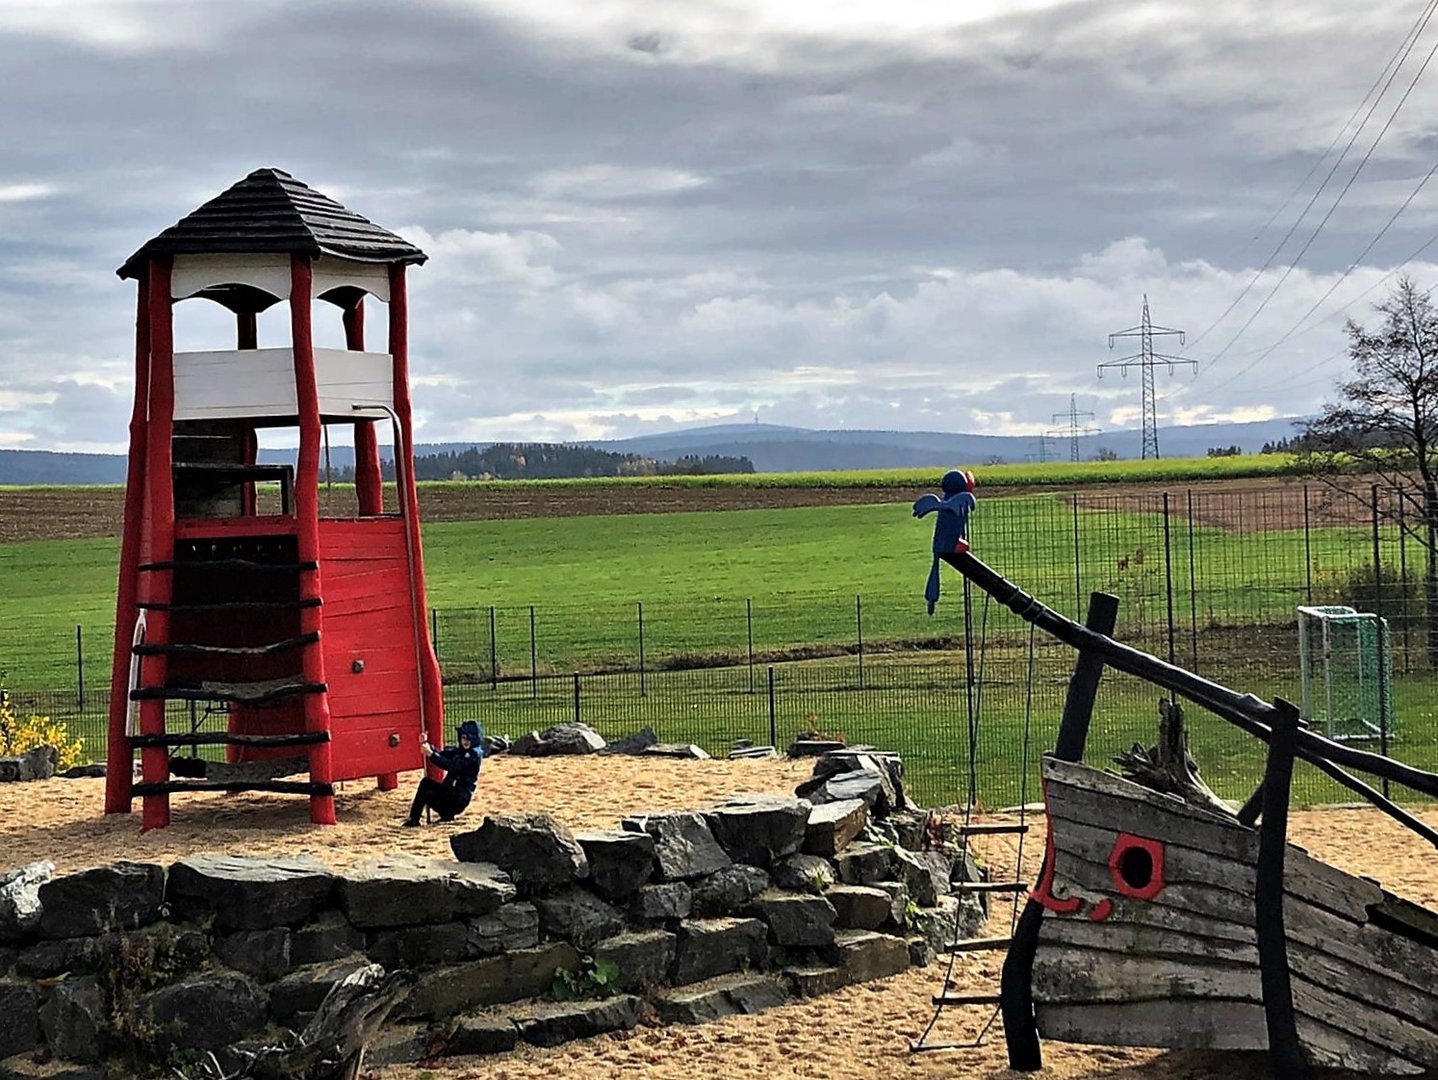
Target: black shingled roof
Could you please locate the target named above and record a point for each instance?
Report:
(271, 211)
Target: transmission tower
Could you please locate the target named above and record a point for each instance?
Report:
(1075, 430)
(1145, 360)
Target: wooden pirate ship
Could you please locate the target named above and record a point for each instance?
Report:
(1162, 918)
(305, 631)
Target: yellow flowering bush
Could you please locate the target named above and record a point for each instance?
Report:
(21, 733)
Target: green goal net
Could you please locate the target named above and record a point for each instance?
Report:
(1347, 670)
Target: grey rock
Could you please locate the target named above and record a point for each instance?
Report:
(555, 1023)
(910, 827)
(833, 826)
(8, 956)
(812, 748)
(951, 919)
(679, 751)
(795, 919)
(652, 903)
(757, 829)
(165, 948)
(49, 959)
(527, 745)
(534, 849)
(634, 744)
(898, 894)
(420, 946)
(867, 786)
(121, 896)
(921, 951)
(727, 890)
(75, 1020)
(513, 926)
(709, 947)
(20, 908)
(860, 907)
(926, 873)
(642, 957)
(511, 976)
(751, 753)
(19, 1018)
(743, 994)
(812, 980)
(250, 893)
(619, 861)
(481, 1035)
(96, 769)
(302, 990)
(866, 955)
(208, 1009)
(578, 916)
(37, 764)
(888, 765)
(804, 873)
(399, 1044)
(329, 937)
(493, 745)
(264, 954)
(407, 890)
(571, 738)
(683, 844)
(867, 864)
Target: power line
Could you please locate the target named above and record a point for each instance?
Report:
(1145, 360)
(1075, 430)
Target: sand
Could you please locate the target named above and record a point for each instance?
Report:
(860, 1032)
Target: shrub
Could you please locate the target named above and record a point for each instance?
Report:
(19, 734)
(1354, 587)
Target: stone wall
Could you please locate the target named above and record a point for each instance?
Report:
(691, 915)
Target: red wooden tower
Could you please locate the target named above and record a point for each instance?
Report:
(305, 631)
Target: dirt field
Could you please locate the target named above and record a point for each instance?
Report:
(860, 1032)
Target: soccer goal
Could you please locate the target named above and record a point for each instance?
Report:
(1347, 669)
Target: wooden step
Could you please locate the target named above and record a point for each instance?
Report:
(233, 605)
(981, 944)
(232, 564)
(230, 472)
(149, 648)
(990, 830)
(990, 887)
(224, 738)
(251, 693)
(966, 999)
(281, 787)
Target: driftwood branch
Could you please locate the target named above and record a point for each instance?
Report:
(1168, 766)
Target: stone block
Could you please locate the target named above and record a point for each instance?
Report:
(76, 1021)
(263, 954)
(757, 829)
(726, 891)
(811, 980)
(420, 946)
(555, 1023)
(833, 826)
(633, 745)
(795, 919)
(535, 850)
(642, 957)
(208, 1009)
(408, 890)
(482, 1035)
(19, 1018)
(247, 892)
(20, 908)
(952, 918)
(921, 952)
(37, 764)
(654, 903)
(510, 927)
(401, 1044)
(804, 873)
(709, 947)
(742, 994)
(813, 748)
(867, 864)
(678, 751)
(121, 896)
(163, 948)
(898, 894)
(578, 916)
(860, 907)
(511, 976)
(684, 846)
(302, 990)
(864, 955)
(558, 739)
(619, 861)
(329, 937)
(926, 873)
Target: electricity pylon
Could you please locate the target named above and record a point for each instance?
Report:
(1145, 360)
(1075, 430)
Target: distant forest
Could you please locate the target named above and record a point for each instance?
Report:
(554, 461)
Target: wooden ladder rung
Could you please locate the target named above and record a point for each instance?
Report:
(990, 886)
(225, 738)
(146, 648)
(966, 999)
(283, 787)
(990, 830)
(981, 944)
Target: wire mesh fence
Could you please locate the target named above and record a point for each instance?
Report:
(1209, 579)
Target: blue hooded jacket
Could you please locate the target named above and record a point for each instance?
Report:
(461, 766)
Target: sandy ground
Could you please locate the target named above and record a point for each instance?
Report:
(859, 1032)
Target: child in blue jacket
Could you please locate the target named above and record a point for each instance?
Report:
(460, 765)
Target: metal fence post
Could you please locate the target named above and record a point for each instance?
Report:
(493, 652)
(434, 630)
(1405, 614)
(749, 619)
(859, 633)
(79, 666)
(1377, 558)
(1168, 574)
(1192, 587)
(1307, 548)
(773, 714)
(640, 605)
(533, 658)
(576, 697)
(1078, 562)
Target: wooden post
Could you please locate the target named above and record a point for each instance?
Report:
(307, 515)
(1285, 1053)
(369, 482)
(1016, 999)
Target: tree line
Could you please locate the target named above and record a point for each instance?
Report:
(554, 461)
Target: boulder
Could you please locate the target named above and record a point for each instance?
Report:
(752, 753)
(910, 828)
(951, 919)
(328, 937)
(867, 864)
(20, 908)
(727, 890)
(812, 980)
(868, 786)
(527, 745)
(757, 829)
(535, 850)
(578, 916)
(263, 954)
(492, 745)
(619, 861)
(400, 1044)
(898, 894)
(875, 776)
(864, 955)
(250, 893)
(163, 948)
(678, 751)
(302, 990)
(420, 946)
(804, 873)
(92, 771)
(75, 1020)
(555, 1023)
(634, 744)
(511, 976)
(926, 873)
(813, 748)
(860, 907)
(832, 826)
(121, 896)
(19, 1018)
(571, 738)
(481, 1035)
(921, 951)
(742, 994)
(652, 903)
(408, 890)
(643, 957)
(513, 926)
(709, 947)
(37, 764)
(206, 1010)
(795, 919)
(683, 844)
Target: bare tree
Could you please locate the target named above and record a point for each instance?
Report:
(1385, 423)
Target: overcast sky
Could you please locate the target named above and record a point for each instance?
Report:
(920, 214)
